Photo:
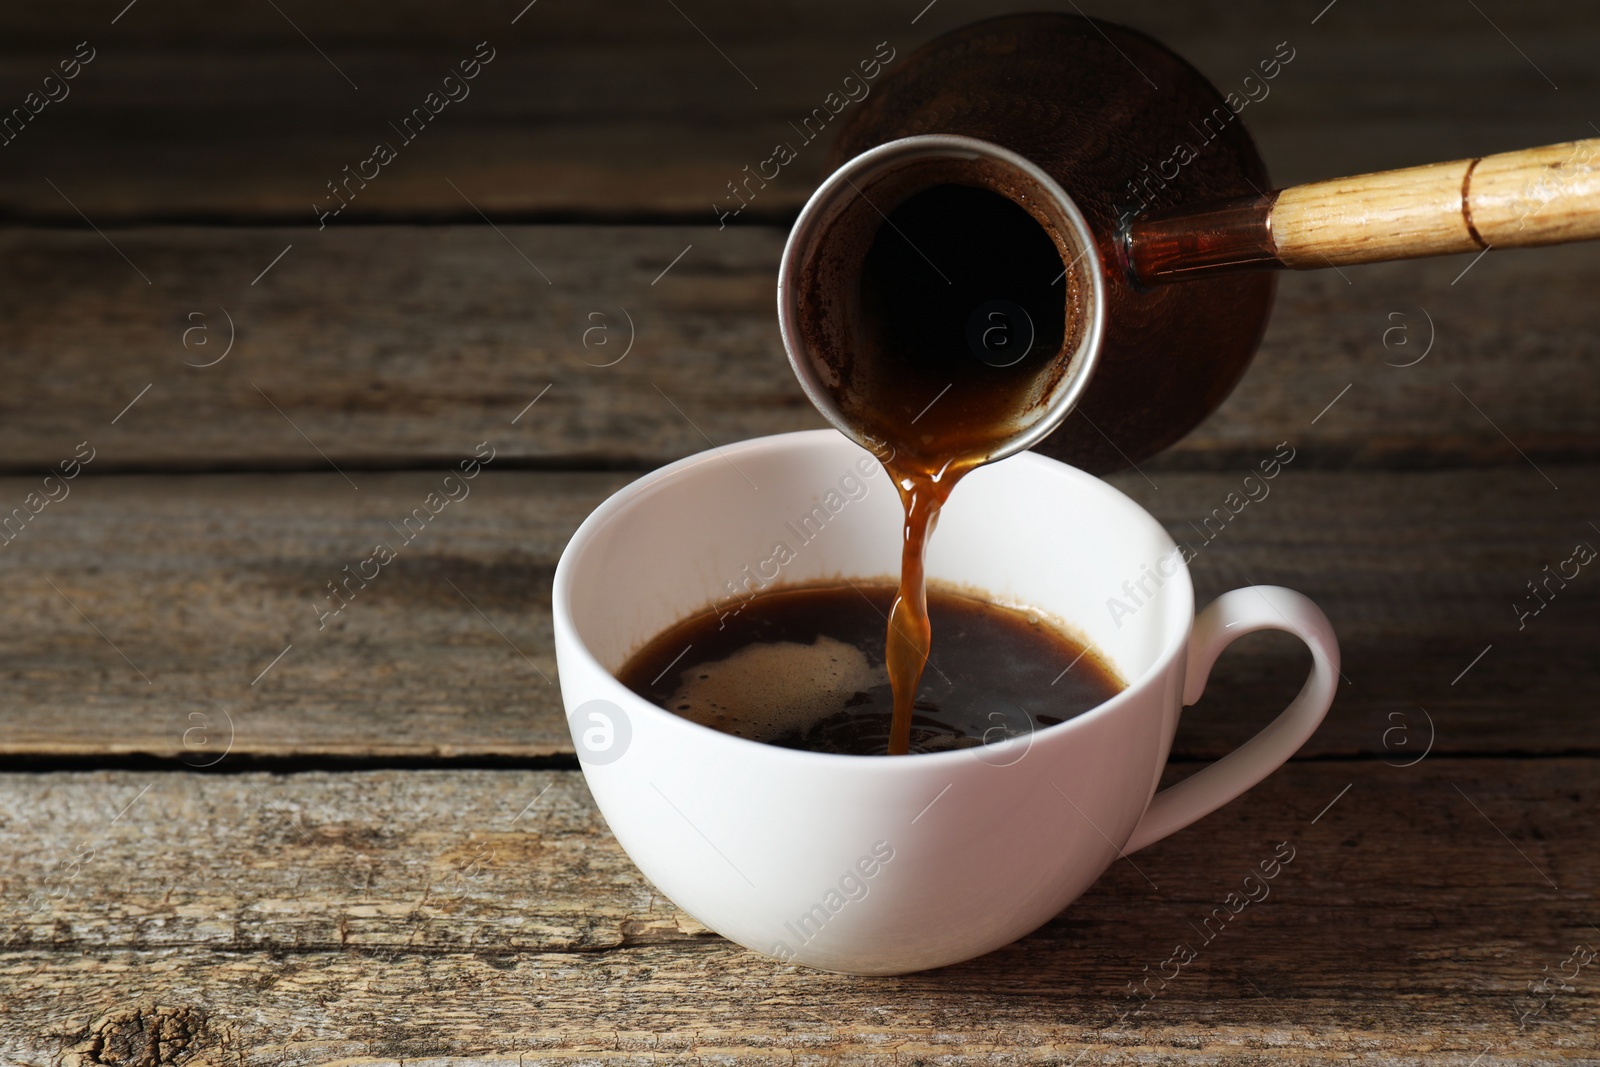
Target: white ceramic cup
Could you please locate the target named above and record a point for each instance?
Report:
(883, 865)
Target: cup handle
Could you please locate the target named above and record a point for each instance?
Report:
(1225, 619)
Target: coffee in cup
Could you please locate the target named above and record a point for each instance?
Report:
(803, 667)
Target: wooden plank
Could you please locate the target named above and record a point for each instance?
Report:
(438, 339)
(202, 581)
(193, 113)
(435, 915)
(397, 346)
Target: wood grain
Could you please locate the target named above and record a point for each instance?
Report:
(488, 916)
(453, 916)
(1368, 218)
(403, 346)
(198, 113)
(1537, 196)
(201, 581)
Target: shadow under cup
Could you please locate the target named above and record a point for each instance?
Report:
(869, 865)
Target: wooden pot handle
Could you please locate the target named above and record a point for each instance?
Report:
(1536, 196)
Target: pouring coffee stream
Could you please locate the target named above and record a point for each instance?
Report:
(966, 280)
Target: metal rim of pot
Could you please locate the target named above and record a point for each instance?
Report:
(843, 184)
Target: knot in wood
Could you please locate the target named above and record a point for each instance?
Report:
(145, 1037)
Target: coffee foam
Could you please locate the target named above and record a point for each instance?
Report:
(771, 689)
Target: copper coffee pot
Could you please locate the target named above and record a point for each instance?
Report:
(1160, 206)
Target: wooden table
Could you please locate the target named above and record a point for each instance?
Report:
(238, 832)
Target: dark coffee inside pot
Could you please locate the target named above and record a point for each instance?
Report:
(803, 667)
(962, 308)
